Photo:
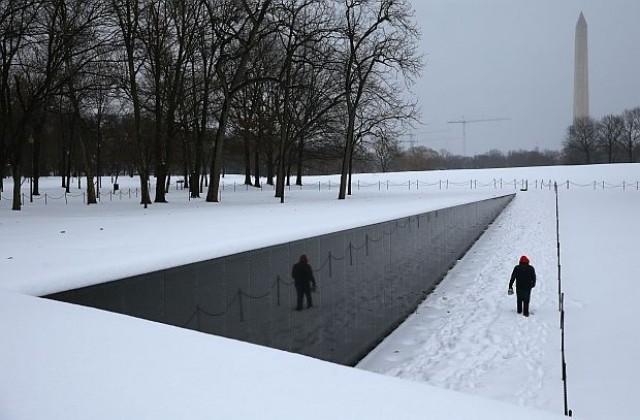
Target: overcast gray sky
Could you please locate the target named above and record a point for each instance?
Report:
(514, 59)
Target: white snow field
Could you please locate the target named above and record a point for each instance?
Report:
(465, 352)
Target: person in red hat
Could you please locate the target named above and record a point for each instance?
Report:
(524, 275)
(303, 279)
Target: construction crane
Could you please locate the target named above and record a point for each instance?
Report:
(464, 123)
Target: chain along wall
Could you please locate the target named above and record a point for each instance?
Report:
(369, 280)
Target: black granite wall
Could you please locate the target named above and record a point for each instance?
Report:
(369, 280)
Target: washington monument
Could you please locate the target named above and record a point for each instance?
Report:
(581, 72)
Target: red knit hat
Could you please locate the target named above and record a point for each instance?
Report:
(303, 258)
(524, 259)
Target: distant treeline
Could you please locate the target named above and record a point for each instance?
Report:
(420, 158)
(610, 139)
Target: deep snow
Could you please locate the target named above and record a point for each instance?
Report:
(467, 337)
(71, 362)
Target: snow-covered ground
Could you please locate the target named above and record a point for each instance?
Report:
(63, 361)
(467, 336)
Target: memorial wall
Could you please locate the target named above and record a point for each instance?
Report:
(369, 279)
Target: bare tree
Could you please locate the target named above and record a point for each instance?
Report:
(609, 132)
(197, 107)
(238, 30)
(169, 35)
(581, 139)
(630, 137)
(250, 107)
(385, 150)
(127, 15)
(318, 101)
(418, 158)
(380, 44)
(304, 92)
(80, 24)
(382, 112)
(52, 56)
(17, 23)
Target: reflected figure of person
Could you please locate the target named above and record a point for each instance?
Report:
(304, 281)
(524, 275)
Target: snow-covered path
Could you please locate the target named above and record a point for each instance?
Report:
(466, 336)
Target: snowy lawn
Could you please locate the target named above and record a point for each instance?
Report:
(64, 361)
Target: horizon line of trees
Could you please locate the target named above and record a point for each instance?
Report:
(614, 138)
(197, 87)
(418, 158)
(610, 139)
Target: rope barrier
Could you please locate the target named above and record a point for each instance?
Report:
(358, 248)
(186, 324)
(490, 184)
(377, 240)
(262, 296)
(612, 186)
(211, 314)
(338, 258)
(440, 184)
(579, 185)
(326, 261)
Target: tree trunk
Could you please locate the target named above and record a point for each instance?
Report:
(88, 170)
(351, 170)
(98, 168)
(67, 171)
(91, 189)
(199, 160)
(196, 185)
(2, 164)
(280, 176)
(247, 160)
(256, 164)
(187, 163)
(348, 150)
(63, 168)
(143, 170)
(216, 159)
(289, 174)
(145, 196)
(270, 166)
(350, 174)
(161, 163)
(17, 174)
(299, 163)
(161, 179)
(35, 162)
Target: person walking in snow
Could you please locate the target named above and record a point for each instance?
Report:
(524, 275)
(304, 281)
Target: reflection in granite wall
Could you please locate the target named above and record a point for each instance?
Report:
(369, 280)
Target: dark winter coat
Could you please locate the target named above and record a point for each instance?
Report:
(524, 276)
(303, 275)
